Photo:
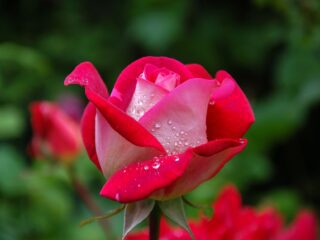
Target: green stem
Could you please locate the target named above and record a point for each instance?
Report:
(154, 223)
(87, 199)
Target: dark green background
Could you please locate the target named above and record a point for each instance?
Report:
(271, 47)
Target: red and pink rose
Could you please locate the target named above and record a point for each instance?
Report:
(165, 128)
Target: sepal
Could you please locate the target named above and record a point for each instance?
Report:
(174, 210)
(135, 213)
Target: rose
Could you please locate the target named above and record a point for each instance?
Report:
(166, 127)
(233, 221)
(55, 134)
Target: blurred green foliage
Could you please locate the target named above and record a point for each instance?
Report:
(271, 47)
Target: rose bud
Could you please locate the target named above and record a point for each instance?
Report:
(165, 128)
(55, 134)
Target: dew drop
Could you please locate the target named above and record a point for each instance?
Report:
(117, 196)
(173, 128)
(186, 143)
(138, 185)
(177, 134)
(156, 165)
(176, 158)
(169, 122)
(146, 167)
(157, 125)
(182, 132)
(212, 102)
(124, 171)
(152, 129)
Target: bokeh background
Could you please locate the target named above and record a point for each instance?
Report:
(271, 47)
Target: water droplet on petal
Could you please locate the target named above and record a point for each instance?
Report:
(182, 132)
(176, 158)
(186, 143)
(117, 196)
(212, 102)
(169, 122)
(146, 167)
(156, 165)
(157, 125)
(139, 185)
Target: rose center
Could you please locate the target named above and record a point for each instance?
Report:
(152, 84)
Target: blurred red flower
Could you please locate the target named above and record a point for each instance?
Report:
(232, 221)
(55, 134)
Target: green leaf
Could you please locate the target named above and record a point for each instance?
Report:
(174, 210)
(135, 213)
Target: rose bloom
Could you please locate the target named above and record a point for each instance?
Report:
(55, 134)
(232, 221)
(165, 128)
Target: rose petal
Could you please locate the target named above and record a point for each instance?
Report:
(178, 120)
(123, 124)
(231, 115)
(207, 161)
(198, 71)
(88, 133)
(126, 82)
(86, 75)
(139, 180)
(114, 151)
(145, 96)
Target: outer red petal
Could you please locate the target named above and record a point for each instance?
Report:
(126, 82)
(125, 125)
(86, 75)
(207, 161)
(138, 180)
(198, 71)
(231, 115)
(88, 133)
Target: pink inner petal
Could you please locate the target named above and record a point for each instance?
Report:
(114, 151)
(178, 121)
(167, 79)
(146, 95)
